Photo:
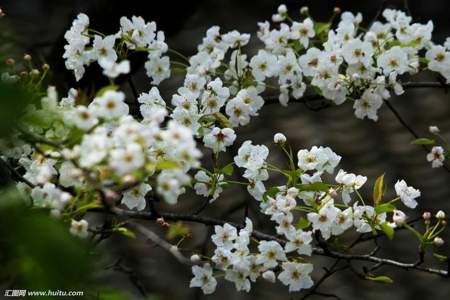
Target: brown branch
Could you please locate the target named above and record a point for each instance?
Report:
(263, 236)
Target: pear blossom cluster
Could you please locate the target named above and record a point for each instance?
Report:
(301, 209)
(85, 46)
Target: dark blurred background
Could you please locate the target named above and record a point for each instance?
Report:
(367, 148)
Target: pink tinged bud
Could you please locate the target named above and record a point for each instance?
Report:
(426, 215)
(332, 192)
(438, 241)
(129, 179)
(269, 276)
(110, 197)
(440, 215)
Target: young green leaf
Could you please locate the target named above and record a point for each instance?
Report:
(125, 231)
(302, 223)
(388, 230)
(270, 193)
(228, 169)
(382, 279)
(378, 190)
(313, 187)
(423, 141)
(384, 208)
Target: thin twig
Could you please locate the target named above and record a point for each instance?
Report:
(409, 128)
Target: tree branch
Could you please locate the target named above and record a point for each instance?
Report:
(263, 236)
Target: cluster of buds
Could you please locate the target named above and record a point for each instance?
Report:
(161, 222)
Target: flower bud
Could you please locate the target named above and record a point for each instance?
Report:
(174, 249)
(304, 10)
(35, 72)
(433, 129)
(110, 197)
(45, 67)
(129, 179)
(10, 61)
(440, 215)
(292, 192)
(27, 57)
(337, 10)
(2, 13)
(269, 276)
(426, 215)
(279, 138)
(195, 258)
(161, 222)
(332, 192)
(282, 9)
(399, 217)
(438, 241)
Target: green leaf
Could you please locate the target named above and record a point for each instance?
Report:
(167, 164)
(320, 27)
(222, 120)
(270, 193)
(381, 279)
(37, 251)
(302, 223)
(177, 230)
(440, 257)
(125, 231)
(447, 154)
(423, 141)
(388, 230)
(378, 190)
(105, 89)
(313, 187)
(384, 208)
(228, 169)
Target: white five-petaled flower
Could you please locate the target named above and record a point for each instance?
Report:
(350, 182)
(110, 105)
(303, 31)
(296, 276)
(407, 194)
(324, 219)
(128, 159)
(204, 279)
(218, 139)
(299, 241)
(224, 236)
(135, 198)
(270, 252)
(79, 228)
(436, 157)
(368, 105)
